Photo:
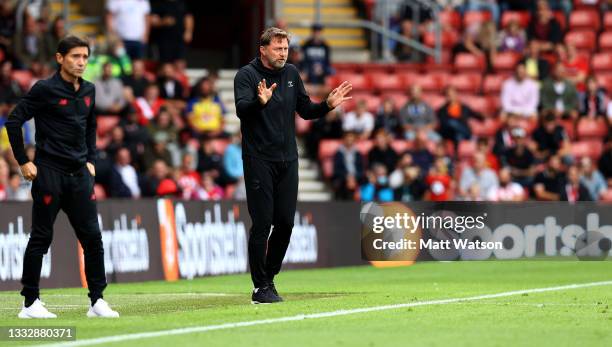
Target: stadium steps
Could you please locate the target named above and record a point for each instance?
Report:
(74, 14)
(347, 44)
(311, 187)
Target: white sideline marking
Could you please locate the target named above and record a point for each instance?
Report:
(199, 329)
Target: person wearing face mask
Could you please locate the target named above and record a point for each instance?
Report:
(377, 188)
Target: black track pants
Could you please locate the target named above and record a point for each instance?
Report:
(73, 193)
(271, 197)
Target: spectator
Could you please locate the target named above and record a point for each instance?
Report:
(137, 82)
(479, 39)
(453, 117)
(482, 146)
(53, 37)
(503, 137)
(158, 150)
(382, 153)
(576, 66)
(163, 124)
(417, 116)
(170, 88)
(404, 52)
(137, 138)
(478, 174)
(129, 19)
(328, 127)
(573, 189)
(559, 94)
(605, 161)
(18, 189)
(4, 179)
(208, 190)
(593, 101)
(543, 28)
(520, 95)
(205, 113)
(187, 178)
(550, 137)
(30, 44)
(109, 93)
(148, 106)
(173, 23)
(8, 25)
(513, 38)
(388, 118)
(491, 6)
(159, 173)
(116, 55)
(412, 188)
(439, 182)
(232, 159)
(536, 67)
(124, 179)
(592, 179)
(519, 159)
(548, 184)
(376, 187)
(117, 141)
(10, 91)
(421, 156)
(396, 178)
(359, 121)
(209, 160)
(317, 57)
(507, 190)
(348, 168)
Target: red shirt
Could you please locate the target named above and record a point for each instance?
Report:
(439, 186)
(580, 64)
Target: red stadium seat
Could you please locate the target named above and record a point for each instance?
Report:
(23, 78)
(470, 17)
(605, 41)
(302, 126)
(592, 149)
(99, 192)
(466, 83)
(374, 68)
(529, 124)
(401, 146)
(467, 62)
(407, 77)
(477, 103)
(492, 84)
(488, 128)
(446, 64)
(364, 146)
(592, 129)
(386, 82)
(106, 123)
(405, 68)
(434, 100)
(345, 68)
(431, 82)
(450, 19)
(581, 39)
(522, 17)
(328, 148)
(601, 62)
(449, 38)
(359, 81)
(608, 20)
(494, 103)
(102, 142)
(466, 149)
(505, 61)
(605, 80)
(327, 166)
(584, 19)
(606, 195)
(580, 4)
(568, 124)
(560, 17)
(399, 99)
(372, 101)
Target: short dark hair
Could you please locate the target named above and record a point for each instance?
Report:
(271, 33)
(70, 42)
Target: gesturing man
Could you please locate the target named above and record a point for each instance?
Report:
(62, 173)
(270, 152)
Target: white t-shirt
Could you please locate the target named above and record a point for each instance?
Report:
(129, 17)
(364, 123)
(510, 192)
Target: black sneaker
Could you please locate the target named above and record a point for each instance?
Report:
(264, 295)
(273, 288)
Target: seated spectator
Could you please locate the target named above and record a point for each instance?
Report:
(53, 36)
(512, 38)
(389, 119)
(551, 138)
(507, 190)
(548, 184)
(593, 101)
(576, 66)
(536, 67)
(232, 159)
(148, 106)
(208, 190)
(382, 153)
(328, 127)
(482, 146)
(544, 29)
(109, 93)
(503, 136)
(163, 124)
(376, 187)
(421, 156)
(591, 178)
(18, 189)
(573, 189)
(396, 178)
(479, 174)
(10, 91)
(348, 168)
(209, 161)
(417, 115)
(520, 95)
(205, 112)
(439, 182)
(30, 44)
(359, 121)
(559, 94)
(137, 138)
(317, 57)
(412, 188)
(605, 161)
(479, 39)
(187, 178)
(453, 117)
(124, 178)
(441, 152)
(136, 82)
(170, 88)
(519, 159)
(157, 150)
(151, 185)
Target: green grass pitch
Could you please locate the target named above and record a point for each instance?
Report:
(566, 317)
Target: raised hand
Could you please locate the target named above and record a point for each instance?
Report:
(338, 95)
(263, 92)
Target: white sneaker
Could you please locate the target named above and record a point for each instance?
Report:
(36, 310)
(101, 309)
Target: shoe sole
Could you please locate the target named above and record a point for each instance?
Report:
(25, 316)
(93, 315)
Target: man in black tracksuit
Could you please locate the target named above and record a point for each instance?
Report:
(267, 122)
(62, 172)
